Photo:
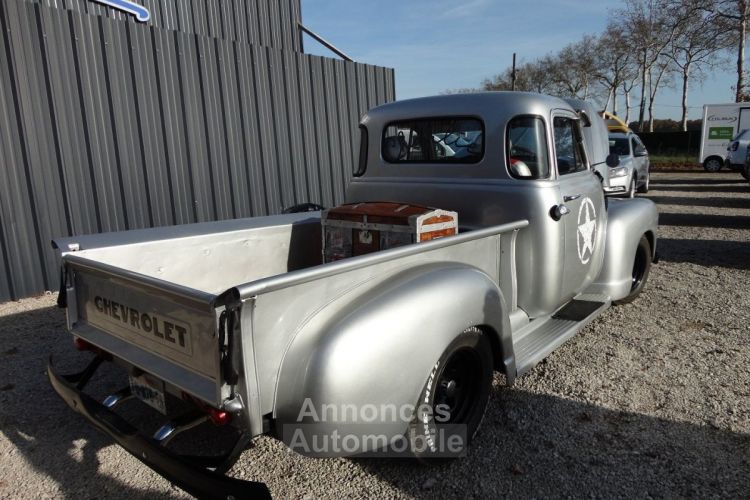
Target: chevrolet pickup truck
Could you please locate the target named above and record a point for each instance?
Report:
(243, 321)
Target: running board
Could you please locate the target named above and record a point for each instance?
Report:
(538, 339)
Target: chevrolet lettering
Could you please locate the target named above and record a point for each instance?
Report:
(166, 331)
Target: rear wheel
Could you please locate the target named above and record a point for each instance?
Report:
(712, 164)
(641, 268)
(454, 397)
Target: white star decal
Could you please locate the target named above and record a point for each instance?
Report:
(586, 230)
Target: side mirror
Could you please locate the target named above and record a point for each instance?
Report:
(613, 160)
(640, 152)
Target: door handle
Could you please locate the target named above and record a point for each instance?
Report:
(558, 211)
(571, 197)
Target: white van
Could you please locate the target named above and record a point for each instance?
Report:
(721, 123)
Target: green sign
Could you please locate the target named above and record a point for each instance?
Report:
(724, 133)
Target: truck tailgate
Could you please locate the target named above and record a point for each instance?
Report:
(162, 328)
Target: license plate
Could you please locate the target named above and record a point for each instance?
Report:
(150, 390)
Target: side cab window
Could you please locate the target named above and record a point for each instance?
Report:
(569, 151)
(526, 148)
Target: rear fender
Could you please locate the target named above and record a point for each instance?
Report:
(627, 221)
(379, 348)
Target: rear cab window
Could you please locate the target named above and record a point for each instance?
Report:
(434, 140)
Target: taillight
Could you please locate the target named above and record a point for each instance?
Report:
(735, 145)
(219, 417)
(82, 345)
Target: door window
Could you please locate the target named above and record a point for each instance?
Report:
(526, 152)
(568, 146)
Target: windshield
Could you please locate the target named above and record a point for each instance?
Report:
(618, 146)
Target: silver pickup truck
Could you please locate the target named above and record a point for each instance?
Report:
(242, 321)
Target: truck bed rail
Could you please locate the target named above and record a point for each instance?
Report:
(272, 283)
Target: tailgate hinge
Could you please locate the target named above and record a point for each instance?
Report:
(226, 342)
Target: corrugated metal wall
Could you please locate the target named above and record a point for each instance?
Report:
(272, 23)
(108, 125)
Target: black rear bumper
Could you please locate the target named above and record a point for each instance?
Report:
(197, 481)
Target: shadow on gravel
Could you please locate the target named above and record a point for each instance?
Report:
(49, 436)
(721, 253)
(664, 182)
(739, 188)
(703, 202)
(533, 445)
(705, 220)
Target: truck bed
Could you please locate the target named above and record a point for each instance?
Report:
(208, 257)
(154, 298)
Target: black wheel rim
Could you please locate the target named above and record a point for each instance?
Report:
(639, 268)
(458, 385)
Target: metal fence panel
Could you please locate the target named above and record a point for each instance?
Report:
(107, 125)
(309, 152)
(264, 22)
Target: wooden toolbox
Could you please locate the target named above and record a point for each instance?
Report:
(360, 228)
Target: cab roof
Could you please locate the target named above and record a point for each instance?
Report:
(492, 107)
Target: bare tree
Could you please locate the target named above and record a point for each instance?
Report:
(615, 64)
(695, 45)
(735, 15)
(659, 74)
(570, 72)
(575, 68)
(530, 77)
(650, 26)
(627, 88)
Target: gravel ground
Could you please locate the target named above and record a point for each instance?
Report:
(651, 399)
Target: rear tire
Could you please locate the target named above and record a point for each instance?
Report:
(641, 269)
(455, 395)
